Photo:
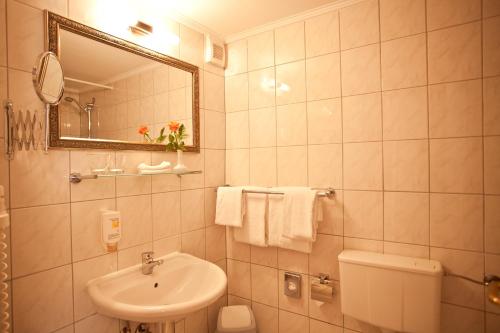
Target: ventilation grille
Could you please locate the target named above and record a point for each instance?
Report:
(218, 52)
(215, 52)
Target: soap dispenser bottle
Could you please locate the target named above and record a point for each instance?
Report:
(111, 229)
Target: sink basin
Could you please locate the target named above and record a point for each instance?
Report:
(181, 285)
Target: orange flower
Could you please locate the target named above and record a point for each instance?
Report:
(143, 130)
(174, 126)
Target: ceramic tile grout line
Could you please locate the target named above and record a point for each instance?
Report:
(4, 287)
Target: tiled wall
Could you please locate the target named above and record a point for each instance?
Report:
(395, 104)
(54, 226)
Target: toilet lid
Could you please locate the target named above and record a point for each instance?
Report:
(236, 316)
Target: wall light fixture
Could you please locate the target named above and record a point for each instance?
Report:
(141, 29)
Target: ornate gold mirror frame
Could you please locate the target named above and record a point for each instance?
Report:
(54, 23)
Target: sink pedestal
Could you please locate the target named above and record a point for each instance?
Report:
(166, 327)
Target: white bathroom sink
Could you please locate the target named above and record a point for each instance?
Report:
(181, 285)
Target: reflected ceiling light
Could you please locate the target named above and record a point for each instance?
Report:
(267, 83)
(284, 87)
(141, 29)
(172, 38)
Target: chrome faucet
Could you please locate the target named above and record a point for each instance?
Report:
(148, 262)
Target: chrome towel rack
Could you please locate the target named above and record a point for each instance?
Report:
(322, 192)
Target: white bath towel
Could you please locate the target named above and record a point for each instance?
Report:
(275, 226)
(230, 206)
(300, 214)
(254, 228)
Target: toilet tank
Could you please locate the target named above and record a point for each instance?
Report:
(391, 292)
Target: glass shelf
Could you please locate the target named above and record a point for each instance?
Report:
(77, 177)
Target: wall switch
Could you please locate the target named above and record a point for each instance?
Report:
(292, 284)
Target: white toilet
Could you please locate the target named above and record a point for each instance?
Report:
(393, 293)
(236, 319)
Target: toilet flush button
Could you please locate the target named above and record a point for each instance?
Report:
(292, 285)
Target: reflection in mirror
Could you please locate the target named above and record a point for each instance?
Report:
(48, 78)
(110, 93)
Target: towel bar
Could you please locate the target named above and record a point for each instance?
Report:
(322, 192)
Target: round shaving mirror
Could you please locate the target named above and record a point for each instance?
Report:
(48, 78)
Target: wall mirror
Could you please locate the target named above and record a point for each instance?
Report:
(113, 87)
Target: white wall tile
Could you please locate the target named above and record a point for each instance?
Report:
(399, 18)
(404, 62)
(325, 166)
(406, 217)
(458, 212)
(47, 307)
(236, 92)
(470, 264)
(455, 109)
(323, 77)
(166, 214)
(191, 212)
(236, 57)
(261, 88)
(491, 48)
(136, 220)
(454, 53)
(261, 50)
(290, 83)
(25, 35)
(292, 166)
(289, 43)
(83, 272)
(40, 238)
(363, 62)
(324, 121)
(291, 123)
(262, 127)
(263, 166)
(363, 166)
(359, 24)
(446, 13)
(322, 34)
(97, 322)
(86, 238)
(491, 223)
(237, 130)
(406, 165)
(363, 215)
(456, 165)
(3, 35)
(39, 179)
(362, 118)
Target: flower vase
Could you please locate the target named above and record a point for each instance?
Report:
(179, 167)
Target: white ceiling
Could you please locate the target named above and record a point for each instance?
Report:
(228, 17)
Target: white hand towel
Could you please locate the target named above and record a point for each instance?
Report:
(253, 230)
(230, 206)
(275, 227)
(163, 165)
(151, 172)
(300, 214)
